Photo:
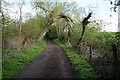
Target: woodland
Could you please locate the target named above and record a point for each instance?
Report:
(92, 53)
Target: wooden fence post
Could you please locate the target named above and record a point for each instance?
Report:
(115, 61)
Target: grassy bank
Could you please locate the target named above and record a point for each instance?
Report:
(13, 64)
(83, 68)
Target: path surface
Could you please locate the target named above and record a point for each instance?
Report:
(52, 63)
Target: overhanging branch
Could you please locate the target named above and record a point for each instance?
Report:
(44, 9)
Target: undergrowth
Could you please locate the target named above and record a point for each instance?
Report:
(13, 64)
(80, 64)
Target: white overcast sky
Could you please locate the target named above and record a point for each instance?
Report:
(102, 11)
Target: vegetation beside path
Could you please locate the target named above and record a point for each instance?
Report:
(13, 64)
(79, 63)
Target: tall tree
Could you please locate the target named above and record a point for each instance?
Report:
(52, 12)
(20, 4)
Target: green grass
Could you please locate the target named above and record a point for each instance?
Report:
(12, 65)
(4, 51)
(80, 64)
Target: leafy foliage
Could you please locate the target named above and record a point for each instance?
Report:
(9, 29)
(51, 34)
(79, 63)
(33, 26)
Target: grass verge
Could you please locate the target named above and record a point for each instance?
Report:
(13, 64)
(80, 64)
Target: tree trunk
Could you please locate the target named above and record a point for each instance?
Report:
(90, 53)
(20, 20)
(45, 29)
(118, 19)
(3, 18)
(115, 61)
(42, 34)
(68, 42)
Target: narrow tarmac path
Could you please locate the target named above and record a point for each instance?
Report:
(52, 63)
